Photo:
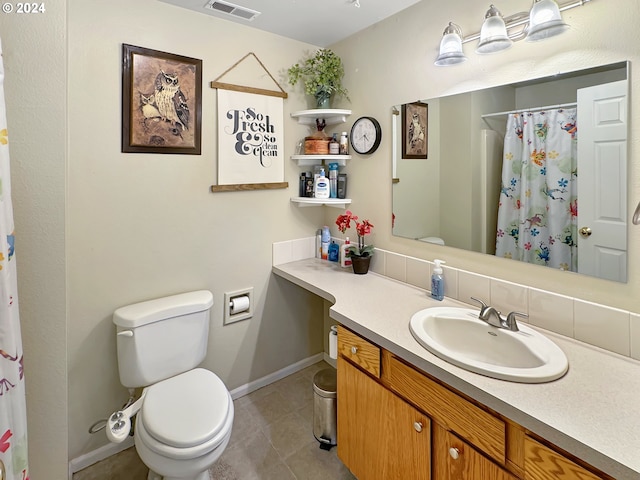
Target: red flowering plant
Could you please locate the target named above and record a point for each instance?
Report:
(362, 228)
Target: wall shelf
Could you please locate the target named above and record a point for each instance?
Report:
(310, 160)
(314, 202)
(332, 116)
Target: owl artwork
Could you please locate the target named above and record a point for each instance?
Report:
(170, 101)
(416, 132)
(148, 108)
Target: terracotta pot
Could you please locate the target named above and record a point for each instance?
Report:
(360, 264)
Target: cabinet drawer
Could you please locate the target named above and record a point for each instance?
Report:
(359, 351)
(542, 463)
(474, 424)
(455, 459)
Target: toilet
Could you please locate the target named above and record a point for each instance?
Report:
(185, 414)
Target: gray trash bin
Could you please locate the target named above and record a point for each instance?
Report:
(325, 413)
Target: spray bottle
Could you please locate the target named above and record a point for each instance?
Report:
(437, 280)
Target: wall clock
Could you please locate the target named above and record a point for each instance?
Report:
(365, 135)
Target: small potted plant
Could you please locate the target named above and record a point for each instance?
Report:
(322, 76)
(360, 254)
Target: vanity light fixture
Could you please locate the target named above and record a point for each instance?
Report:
(493, 35)
(451, 46)
(545, 21)
(498, 33)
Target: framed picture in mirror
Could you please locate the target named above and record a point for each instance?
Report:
(415, 130)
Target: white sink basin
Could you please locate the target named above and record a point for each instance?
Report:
(458, 336)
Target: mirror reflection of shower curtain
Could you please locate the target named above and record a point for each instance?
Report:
(13, 414)
(537, 213)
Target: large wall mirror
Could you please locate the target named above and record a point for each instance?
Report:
(533, 171)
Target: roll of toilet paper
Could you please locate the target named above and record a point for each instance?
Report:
(239, 304)
(333, 342)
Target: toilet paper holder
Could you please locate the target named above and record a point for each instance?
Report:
(238, 305)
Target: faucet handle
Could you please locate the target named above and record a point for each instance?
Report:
(511, 322)
(483, 306)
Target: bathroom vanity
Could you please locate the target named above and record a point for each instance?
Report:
(405, 413)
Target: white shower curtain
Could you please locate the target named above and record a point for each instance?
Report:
(13, 414)
(537, 213)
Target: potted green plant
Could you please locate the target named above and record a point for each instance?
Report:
(359, 253)
(322, 76)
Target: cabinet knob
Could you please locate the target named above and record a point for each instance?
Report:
(417, 426)
(354, 350)
(454, 452)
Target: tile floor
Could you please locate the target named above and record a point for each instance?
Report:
(272, 439)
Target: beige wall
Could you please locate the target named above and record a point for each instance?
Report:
(142, 226)
(405, 46)
(35, 64)
(137, 226)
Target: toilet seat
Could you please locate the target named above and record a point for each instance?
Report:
(185, 416)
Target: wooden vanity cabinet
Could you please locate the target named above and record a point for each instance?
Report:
(544, 463)
(381, 437)
(395, 422)
(454, 459)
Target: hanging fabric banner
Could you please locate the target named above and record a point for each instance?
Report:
(13, 411)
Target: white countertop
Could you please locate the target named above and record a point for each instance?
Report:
(592, 412)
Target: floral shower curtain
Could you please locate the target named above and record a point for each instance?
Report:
(13, 412)
(537, 213)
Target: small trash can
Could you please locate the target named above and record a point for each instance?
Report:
(325, 421)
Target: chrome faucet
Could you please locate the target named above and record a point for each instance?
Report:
(494, 318)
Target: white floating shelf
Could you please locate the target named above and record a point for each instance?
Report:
(309, 160)
(314, 202)
(331, 116)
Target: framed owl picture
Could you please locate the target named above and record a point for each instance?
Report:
(415, 130)
(161, 102)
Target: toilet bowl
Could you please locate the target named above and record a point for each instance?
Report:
(185, 413)
(184, 425)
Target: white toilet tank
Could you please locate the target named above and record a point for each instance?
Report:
(161, 338)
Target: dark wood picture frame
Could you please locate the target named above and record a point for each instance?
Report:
(415, 130)
(161, 102)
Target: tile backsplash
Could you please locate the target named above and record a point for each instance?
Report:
(605, 327)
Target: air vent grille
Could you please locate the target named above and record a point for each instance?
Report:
(231, 9)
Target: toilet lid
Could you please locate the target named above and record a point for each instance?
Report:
(186, 410)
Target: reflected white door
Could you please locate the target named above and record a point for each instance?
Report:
(602, 181)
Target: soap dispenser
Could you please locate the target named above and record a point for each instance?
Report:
(437, 281)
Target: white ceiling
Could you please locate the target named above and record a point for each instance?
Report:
(318, 22)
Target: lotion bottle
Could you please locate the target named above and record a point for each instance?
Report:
(437, 281)
(322, 186)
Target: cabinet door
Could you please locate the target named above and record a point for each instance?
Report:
(380, 437)
(454, 459)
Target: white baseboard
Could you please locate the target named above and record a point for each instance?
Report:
(88, 459)
(247, 388)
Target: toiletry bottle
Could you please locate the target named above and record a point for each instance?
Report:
(334, 252)
(324, 247)
(302, 189)
(334, 145)
(437, 280)
(319, 243)
(322, 186)
(342, 185)
(309, 185)
(333, 180)
(345, 259)
(344, 144)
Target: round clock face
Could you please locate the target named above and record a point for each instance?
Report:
(366, 135)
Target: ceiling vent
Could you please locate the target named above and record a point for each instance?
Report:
(231, 9)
